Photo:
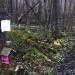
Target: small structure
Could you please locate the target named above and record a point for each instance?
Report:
(7, 55)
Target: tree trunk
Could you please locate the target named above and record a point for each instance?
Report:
(16, 12)
(56, 19)
(11, 9)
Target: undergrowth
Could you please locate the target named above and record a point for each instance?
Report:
(38, 52)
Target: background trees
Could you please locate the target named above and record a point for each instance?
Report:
(41, 12)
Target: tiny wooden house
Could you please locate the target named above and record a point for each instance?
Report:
(7, 55)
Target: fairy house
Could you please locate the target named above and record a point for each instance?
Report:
(7, 55)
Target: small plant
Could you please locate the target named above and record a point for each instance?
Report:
(49, 71)
(63, 34)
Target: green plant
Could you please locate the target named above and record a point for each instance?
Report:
(22, 40)
(33, 45)
(49, 71)
(63, 34)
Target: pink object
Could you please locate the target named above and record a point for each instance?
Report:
(6, 62)
(5, 59)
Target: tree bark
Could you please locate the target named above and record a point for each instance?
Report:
(56, 19)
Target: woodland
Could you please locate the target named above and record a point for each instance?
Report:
(42, 36)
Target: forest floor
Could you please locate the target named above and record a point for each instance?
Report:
(66, 67)
(38, 64)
